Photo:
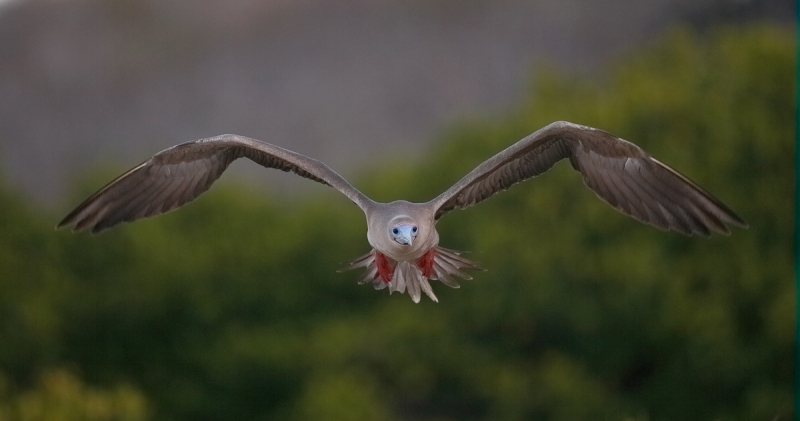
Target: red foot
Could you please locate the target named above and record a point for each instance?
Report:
(385, 269)
(425, 263)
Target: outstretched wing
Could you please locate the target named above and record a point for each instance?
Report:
(618, 171)
(176, 176)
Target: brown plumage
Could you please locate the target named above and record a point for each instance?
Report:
(403, 234)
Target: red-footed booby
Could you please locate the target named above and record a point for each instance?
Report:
(406, 252)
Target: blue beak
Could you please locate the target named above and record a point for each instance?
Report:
(405, 234)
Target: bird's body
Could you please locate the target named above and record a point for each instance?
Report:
(406, 252)
(400, 266)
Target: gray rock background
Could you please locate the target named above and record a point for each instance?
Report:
(89, 83)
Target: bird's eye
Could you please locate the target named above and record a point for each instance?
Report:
(414, 230)
(395, 231)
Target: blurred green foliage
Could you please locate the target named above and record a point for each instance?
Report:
(231, 307)
(60, 395)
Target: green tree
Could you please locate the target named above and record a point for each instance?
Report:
(61, 396)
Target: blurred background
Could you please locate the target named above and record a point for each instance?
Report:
(231, 308)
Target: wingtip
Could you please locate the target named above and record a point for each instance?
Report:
(76, 220)
(77, 226)
(66, 223)
(739, 222)
(73, 228)
(731, 219)
(96, 230)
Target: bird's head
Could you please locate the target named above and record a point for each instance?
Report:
(403, 231)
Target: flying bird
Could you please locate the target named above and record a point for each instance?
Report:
(405, 251)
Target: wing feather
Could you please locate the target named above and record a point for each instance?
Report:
(661, 208)
(668, 201)
(619, 172)
(132, 206)
(178, 175)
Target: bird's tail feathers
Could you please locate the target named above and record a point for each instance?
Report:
(439, 263)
